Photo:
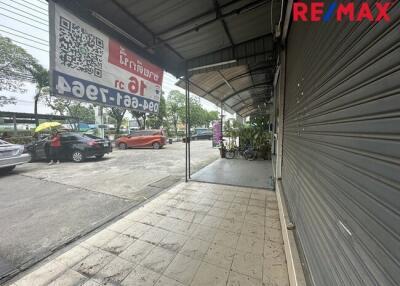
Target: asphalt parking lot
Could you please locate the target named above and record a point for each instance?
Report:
(44, 207)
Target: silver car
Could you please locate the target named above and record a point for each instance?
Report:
(11, 155)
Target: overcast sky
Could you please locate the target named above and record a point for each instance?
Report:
(26, 23)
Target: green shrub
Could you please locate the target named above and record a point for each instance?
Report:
(20, 140)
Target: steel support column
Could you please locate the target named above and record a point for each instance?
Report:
(274, 113)
(189, 133)
(222, 123)
(281, 105)
(186, 125)
(15, 124)
(273, 131)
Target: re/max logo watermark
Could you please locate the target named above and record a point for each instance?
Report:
(354, 11)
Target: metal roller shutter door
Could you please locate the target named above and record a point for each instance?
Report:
(341, 149)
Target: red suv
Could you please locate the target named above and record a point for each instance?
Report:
(142, 139)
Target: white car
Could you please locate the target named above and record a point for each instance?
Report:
(11, 155)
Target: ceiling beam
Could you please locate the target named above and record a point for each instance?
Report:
(226, 81)
(234, 12)
(147, 29)
(203, 90)
(251, 111)
(224, 26)
(208, 13)
(245, 89)
(255, 96)
(251, 76)
(240, 76)
(250, 105)
(229, 80)
(239, 54)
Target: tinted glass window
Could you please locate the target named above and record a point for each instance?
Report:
(80, 138)
(68, 138)
(73, 137)
(137, 133)
(155, 132)
(43, 137)
(90, 136)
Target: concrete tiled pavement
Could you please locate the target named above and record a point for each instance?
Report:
(193, 234)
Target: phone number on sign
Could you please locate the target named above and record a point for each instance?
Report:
(83, 90)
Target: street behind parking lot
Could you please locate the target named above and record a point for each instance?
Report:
(43, 207)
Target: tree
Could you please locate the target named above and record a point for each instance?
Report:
(210, 117)
(58, 104)
(118, 114)
(4, 100)
(67, 107)
(156, 121)
(140, 118)
(84, 113)
(176, 111)
(175, 108)
(15, 67)
(41, 77)
(197, 113)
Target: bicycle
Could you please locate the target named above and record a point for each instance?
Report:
(247, 153)
(232, 152)
(250, 153)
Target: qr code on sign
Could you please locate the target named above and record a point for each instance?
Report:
(80, 50)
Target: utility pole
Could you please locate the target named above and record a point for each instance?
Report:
(99, 120)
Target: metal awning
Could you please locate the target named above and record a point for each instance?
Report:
(242, 89)
(23, 115)
(225, 45)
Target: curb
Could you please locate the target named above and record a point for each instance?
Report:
(295, 269)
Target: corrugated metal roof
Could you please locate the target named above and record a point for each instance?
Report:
(160, 14)
(180, 34)
(242, 89)
(249, 25)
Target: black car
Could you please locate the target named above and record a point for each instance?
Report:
(74, 146)
(203, 135)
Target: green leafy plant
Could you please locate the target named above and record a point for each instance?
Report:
(254, 134)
